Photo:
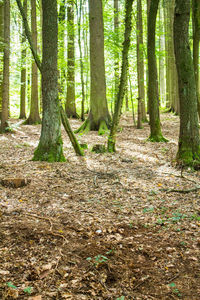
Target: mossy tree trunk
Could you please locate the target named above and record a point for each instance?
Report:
(70, 106)
(50, 146)
(161, 56)
(196, 40)
(79, 16)
(61, 47)
(6, 67)
(140, 67)
(1, 51)
(123, 77)
(34, 116)
(189, 141)
(116, 40)
(154, 114)
(22, 114)
(99, 117)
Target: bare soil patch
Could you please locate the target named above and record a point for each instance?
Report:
(106, 226)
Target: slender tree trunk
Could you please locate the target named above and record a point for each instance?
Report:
(140, 67)
(23, 71)
(79, 16)
(116, 32)
(189, 141)
(123, 78)
(6, 63)
(1, 51)
(196, 39)
(61, 44)
(70, 107)
(161, 56)
(50, 145)
(154, 114)
(99, 117)
(34, 116)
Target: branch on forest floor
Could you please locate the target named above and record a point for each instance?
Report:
(181, 191)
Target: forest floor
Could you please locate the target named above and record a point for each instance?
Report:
(104, 226)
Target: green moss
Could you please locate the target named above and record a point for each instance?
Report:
(157, 138)
(85, 127)
(103, 128)
(54, 153)
(111, 145)
(99, 148)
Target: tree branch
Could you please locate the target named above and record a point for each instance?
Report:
(29, 36)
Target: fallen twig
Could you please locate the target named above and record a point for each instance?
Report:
(181, 191)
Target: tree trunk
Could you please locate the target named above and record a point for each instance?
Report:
(116, 39)
(6, 63)
(70, 107)
(99, 117)
(123, 78)
(34, 116)
(61, 44)
(196, 39)
(79, 15)
(140, 67)
(23, 71)
(189, 141)
(155, 126)
(50, 145)
(1, 51)
(161, 56)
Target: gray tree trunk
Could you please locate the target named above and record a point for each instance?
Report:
(34, 116)
(22, 114)
(6, 66)
(189, 141)
(99, 117)
(1, 51)
(70, 106)
(154, 114)
(50, 145)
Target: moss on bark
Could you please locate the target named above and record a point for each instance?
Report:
(54, 153)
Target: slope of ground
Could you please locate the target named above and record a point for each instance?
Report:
(106, 226)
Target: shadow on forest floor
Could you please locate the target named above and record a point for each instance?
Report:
(106, 226)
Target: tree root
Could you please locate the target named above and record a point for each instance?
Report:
(181, 191)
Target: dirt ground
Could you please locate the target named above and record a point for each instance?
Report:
(106, 226)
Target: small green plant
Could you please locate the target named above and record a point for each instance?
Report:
(121, 298)
(98, 259)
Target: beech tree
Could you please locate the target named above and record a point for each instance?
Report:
(154, 114)
(6, 67)
(99, 117)
(70, 106)
(189, 141)
(1, 51)
(123, 78)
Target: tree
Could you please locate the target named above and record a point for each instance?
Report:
(70, 107)
(189, 141)
(99, 118)
(61, 46)
(196, 39)
(23, 71)
(154, 114)
(6, 67)
(123, 77)
(1, 51)
(140, 67)
(34, 116)
(50, 144)
(79, 15)
(116, 40)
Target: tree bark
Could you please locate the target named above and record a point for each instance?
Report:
(116, 32)
(154, 114)
(6, 66)
(70, 106)
(22, 114)
(161, 56)
(1, 50)
(189, 141)
(140, 67)
(34, 116)
(123, 78)
(50, 145)
(196, 39)
(61, 47)
(99, 117)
